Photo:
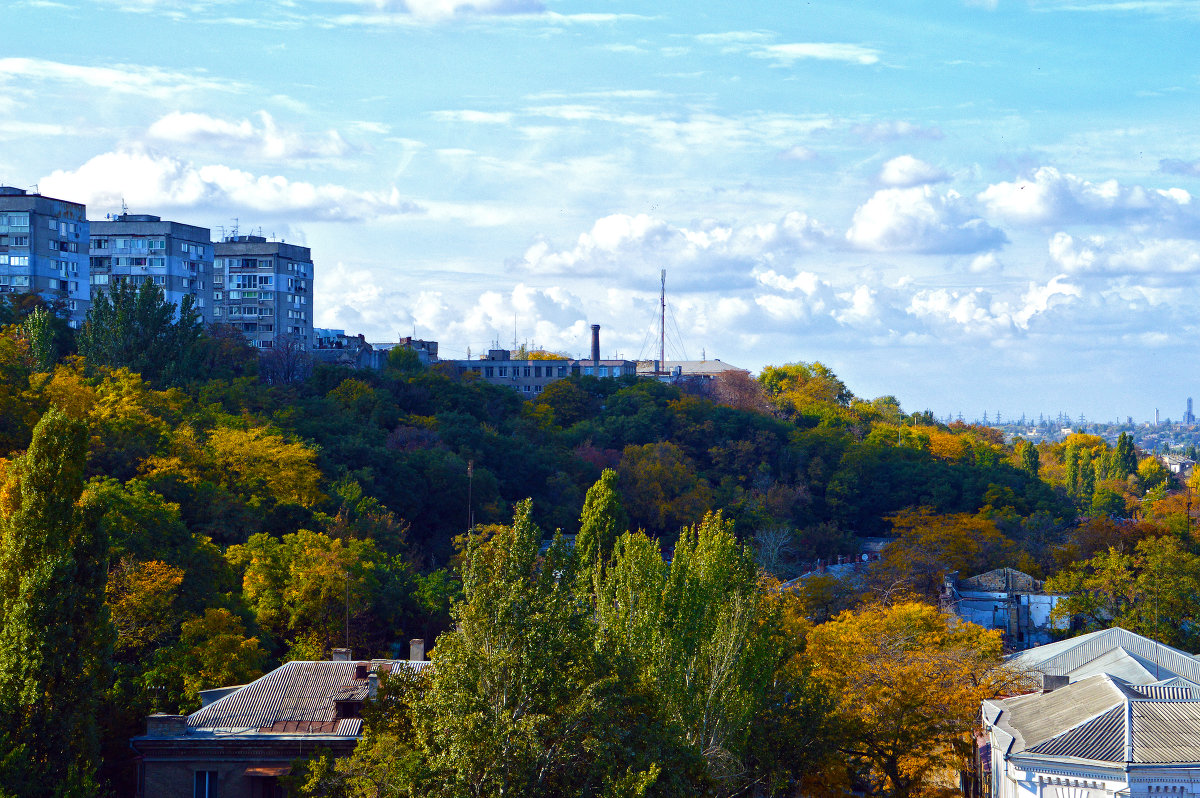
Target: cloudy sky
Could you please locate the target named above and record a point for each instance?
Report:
(973, 205)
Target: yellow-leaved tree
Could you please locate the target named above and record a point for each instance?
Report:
(907, 681)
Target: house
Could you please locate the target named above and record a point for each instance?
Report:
(241, 743)
(338, 349)
(1118, 714)
(1005, 599)
(1178, 465)
(1100, 736)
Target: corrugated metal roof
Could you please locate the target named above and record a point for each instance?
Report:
(1166, 732)
(1097, 718)
(1130, 655)
(1102, 739)
(296, 694)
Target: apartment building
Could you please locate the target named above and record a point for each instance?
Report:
(138, 247)
(264, 288)
(44, 249)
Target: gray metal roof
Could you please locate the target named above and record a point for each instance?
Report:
(297, 697)
(1116, 651)
(1102, 719)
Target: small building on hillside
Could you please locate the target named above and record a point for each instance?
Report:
(336, 348)
(1178, 465)
(242, 743)
(671, 370)
(1005, 599)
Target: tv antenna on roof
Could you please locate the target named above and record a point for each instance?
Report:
(124, 207)
(235, 227)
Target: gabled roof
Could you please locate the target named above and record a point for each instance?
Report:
(296, 698)
(1002, 580)
(1101, 719)
(1116, 651)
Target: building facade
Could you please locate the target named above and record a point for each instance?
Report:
(1005, 599)
(177, 257)
(44, 249)
(264, 289)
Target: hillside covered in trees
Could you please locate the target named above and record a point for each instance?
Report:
(201, 514)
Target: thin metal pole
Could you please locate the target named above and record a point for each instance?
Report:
(662, 324)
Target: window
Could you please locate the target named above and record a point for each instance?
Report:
(218, 295)
(160, 279)
(527, 371)
(205, 784)
(604, 371)
(587, 371)
(537, 389)
(74, 287)
(489, 372)
(18, 260)
(99, 279)
(19, 241)
(157, 243)
(158, 263)
(525, 388)
(503, 371)
(217, 311)
(52, 224)
(537, 371)
(562, 371)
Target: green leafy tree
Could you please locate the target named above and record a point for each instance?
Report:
(39, 332)
(1153, 590)
(688, 627)
(135, 327)
(55, 637)
(602, 521)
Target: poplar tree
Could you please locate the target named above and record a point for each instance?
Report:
(602, 521)
(55, 639)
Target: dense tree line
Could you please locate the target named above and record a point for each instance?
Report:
(215, 513)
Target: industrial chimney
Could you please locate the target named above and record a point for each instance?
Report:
(596, 345)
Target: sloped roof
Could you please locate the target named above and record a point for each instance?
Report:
(1102, 719)
(1002, 580)
(296, 698)
(1116, 651)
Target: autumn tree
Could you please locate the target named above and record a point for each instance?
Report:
(1153, 590)
(55, 637)
(660, 487)
(929, 546)
(906, 681)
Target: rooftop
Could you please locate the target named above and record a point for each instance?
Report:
(1116, 651)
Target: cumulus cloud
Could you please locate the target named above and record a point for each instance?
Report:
(1157, 259)
(797, 152)
(906, 171)
(1175, 166)
(1051, 197)
(474, 117)
(705, 253)
(262, 140)
(151, 180)
(920, 220)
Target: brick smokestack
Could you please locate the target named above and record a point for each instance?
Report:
(596, 344)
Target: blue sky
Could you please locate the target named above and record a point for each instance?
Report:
(975, 206)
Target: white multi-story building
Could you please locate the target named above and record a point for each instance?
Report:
(138, 247)
(44, 249)
(264, 288)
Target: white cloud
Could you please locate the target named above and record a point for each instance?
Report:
(905, 171)
(1155, 259)
(787, 54)
(920, 220)
(118, 78)
(707, 254)
(150, 180)
(474, 117)
(797, 152)
(264, 140)
(891, 130)
(1051, 197)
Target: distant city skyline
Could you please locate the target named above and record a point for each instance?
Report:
(964, 203)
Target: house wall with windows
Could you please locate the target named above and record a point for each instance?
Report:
(44, 249)
(264, 289)
(138, 247)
